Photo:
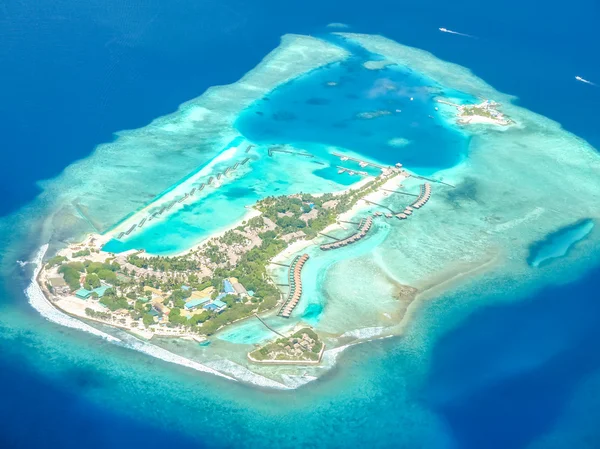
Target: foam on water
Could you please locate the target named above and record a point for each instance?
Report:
(39, 302)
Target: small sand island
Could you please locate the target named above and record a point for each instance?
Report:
(301, 348)
(485, 112)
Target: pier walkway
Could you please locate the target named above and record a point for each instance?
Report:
(362, 231)
(360, 161)
(295, 282)
(267, 326)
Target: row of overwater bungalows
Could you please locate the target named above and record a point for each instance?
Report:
(362, 231)
(423, 197)
(295, 282)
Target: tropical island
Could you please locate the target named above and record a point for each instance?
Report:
(273, 208)
(301, 348)
(486, 112)
(195, 294)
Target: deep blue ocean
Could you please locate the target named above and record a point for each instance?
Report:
(72, 73)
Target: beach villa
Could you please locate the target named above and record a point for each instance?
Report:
(83, 293)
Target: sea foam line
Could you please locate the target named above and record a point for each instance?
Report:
(39, 302)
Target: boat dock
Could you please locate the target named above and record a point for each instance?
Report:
(295, 282)
(362, 231)
(359, 161)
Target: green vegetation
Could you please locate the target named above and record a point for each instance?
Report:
(71, 276)
(82, 253)
(302, 346)
(163, 263)
(54, 261)
(99, 315)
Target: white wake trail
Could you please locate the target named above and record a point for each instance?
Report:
(578, 78)
(445, 30)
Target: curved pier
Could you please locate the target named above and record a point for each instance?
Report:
(295, 282)
(362, 231)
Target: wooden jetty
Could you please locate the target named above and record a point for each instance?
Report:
(359, 161)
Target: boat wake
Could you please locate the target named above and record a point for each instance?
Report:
(445, 30)
(582, 80)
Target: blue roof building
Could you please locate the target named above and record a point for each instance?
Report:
(219, 304)
(228, 287)
(101, 290)
(186, 287)
(215, 306)
(190, 305)
(83, 293)
(250, 293)
(220, 296)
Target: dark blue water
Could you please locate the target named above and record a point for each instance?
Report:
(504, 377)
(312, 110)
(75, 72)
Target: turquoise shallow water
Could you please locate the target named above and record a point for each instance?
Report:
(323, 107)
(559, 243)
(308, 115)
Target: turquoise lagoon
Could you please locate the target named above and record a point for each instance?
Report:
(317, 113)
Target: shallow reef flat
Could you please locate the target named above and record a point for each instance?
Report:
(125, 175)
(518, 185)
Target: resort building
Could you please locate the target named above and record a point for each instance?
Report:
(195, 303)
(215, 306)
(228, 287)
(83, 293)
(240, 289)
